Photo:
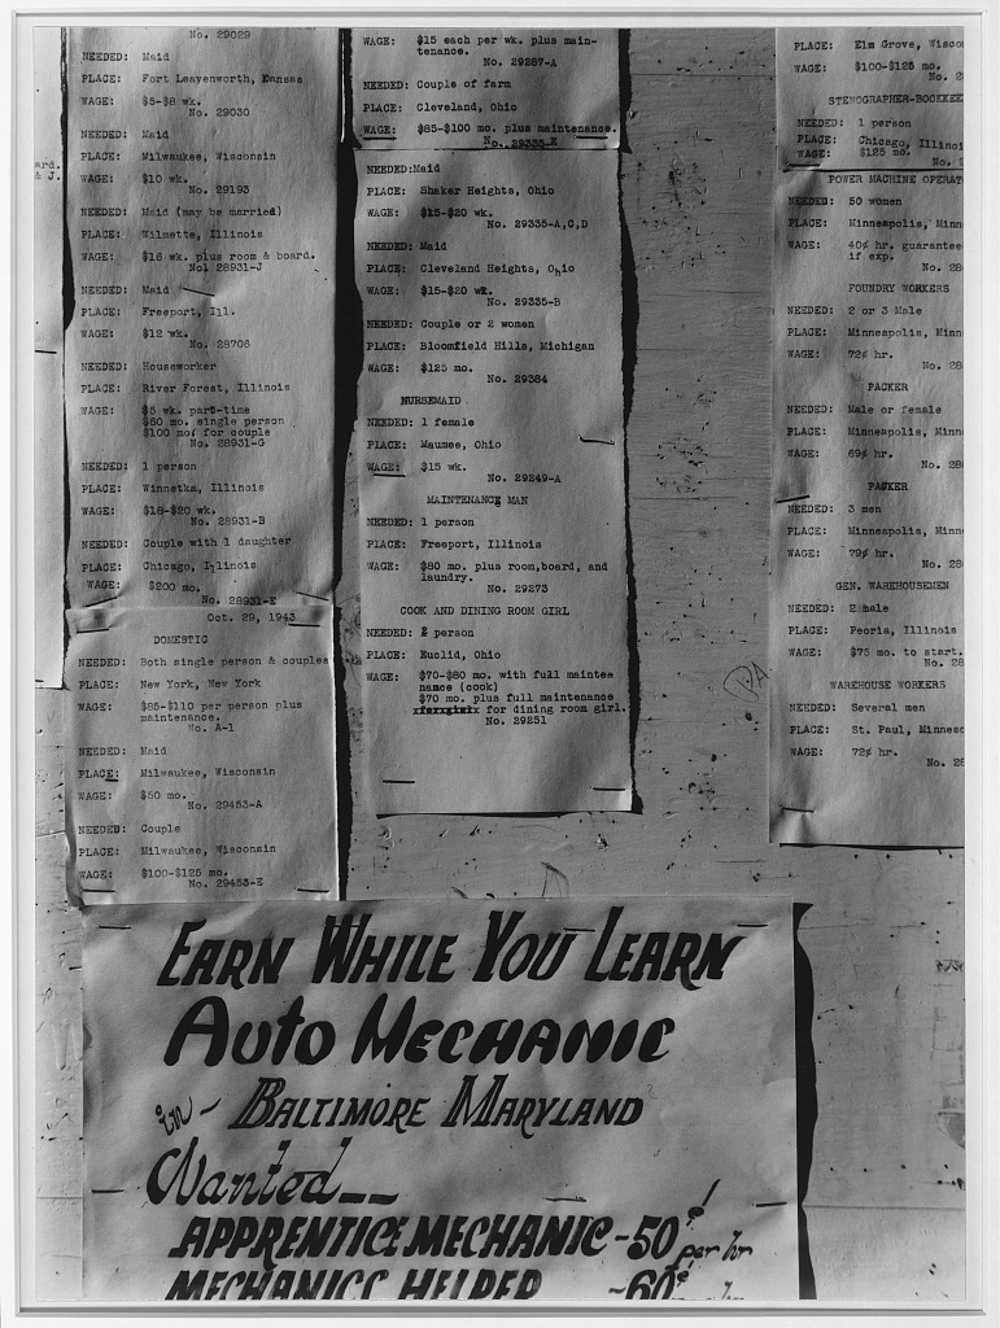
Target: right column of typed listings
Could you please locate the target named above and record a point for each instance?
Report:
(867, 551)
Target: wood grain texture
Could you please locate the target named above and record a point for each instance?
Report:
(883, 930)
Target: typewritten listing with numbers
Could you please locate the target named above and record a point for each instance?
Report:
(199, 371)
(867, 721)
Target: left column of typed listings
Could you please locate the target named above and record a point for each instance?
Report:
(198, 296)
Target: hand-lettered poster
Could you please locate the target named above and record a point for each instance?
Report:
(485, 1102)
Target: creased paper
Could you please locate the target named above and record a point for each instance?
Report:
(200, 264)
(200, 355)
(485, 88)
(867, 717)
(479, 1102)
(199, 753)
(49, 442)
(489, 442)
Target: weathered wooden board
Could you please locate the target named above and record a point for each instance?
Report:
(882, 931)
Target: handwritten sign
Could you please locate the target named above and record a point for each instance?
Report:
(480, 1102)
